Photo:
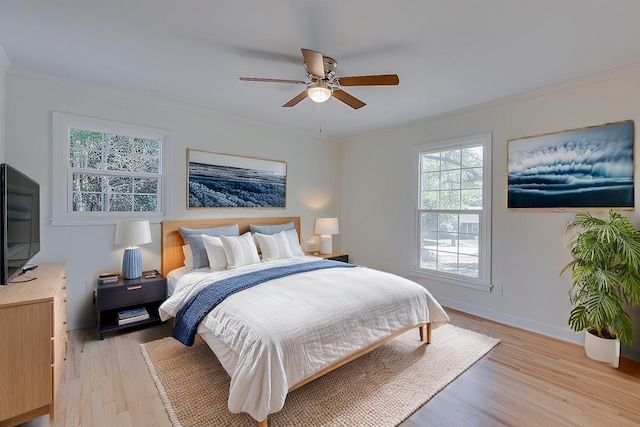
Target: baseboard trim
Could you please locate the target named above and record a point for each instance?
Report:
(518, 322)
(629, 367)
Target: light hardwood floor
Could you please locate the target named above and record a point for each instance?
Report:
(527, 380)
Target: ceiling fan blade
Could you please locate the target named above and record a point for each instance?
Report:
(377, 80)
(257, 79)
(350, 100)
(299, 97)
(315, 64)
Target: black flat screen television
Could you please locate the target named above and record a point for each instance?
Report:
(20, 211)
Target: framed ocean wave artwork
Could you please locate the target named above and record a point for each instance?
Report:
(218, 180)
(576, 169)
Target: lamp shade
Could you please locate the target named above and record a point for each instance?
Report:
(327, 226)
(319, 93)
(134, 232)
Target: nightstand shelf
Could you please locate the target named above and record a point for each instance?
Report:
(109, 318)
(128, 294)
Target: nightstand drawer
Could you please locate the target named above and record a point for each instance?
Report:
(127, 294)
(335, 256)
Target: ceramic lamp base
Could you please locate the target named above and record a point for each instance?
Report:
(132, 263)
(326, 243)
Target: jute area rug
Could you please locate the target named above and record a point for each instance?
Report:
(381, 388)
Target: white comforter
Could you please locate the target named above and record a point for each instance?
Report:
(272, 336)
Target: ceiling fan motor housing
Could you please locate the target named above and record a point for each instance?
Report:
(330, 67)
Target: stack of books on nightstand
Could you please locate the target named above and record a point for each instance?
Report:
(133, 315)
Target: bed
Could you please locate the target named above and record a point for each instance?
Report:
(304, 317)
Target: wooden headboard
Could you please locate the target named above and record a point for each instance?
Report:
(172, 255)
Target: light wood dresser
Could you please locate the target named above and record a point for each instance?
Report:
(33, 336)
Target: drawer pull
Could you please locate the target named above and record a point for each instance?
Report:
(134, 288)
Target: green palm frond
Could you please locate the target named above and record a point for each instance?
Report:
(605, 273)
(623, 327)
(578, 318)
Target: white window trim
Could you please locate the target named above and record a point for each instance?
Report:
(483, 282)
(61, 184)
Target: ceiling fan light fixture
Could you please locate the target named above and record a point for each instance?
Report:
(319, 92)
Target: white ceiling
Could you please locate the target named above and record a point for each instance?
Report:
(449, 54)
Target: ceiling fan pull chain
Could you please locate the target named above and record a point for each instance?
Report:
(319, 106)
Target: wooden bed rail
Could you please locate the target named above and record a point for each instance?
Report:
(425, 336)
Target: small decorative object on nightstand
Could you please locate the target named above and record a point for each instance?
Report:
(129, 303)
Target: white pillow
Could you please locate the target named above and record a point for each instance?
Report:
(294, 242)
(274, 246)
(188, 257)
(240, 250)
(215, 252)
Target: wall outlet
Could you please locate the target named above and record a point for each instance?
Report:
(496, 288)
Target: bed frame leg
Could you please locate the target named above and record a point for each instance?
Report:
(263, 423)
(425, 333)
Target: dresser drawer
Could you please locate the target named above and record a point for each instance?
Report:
(32, 334)
(127, 294)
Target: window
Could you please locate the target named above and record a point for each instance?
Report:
(453, 211)
(106, 171)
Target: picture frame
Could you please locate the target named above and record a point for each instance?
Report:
(576, 169)
(217, 180)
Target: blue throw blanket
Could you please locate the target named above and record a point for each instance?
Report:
(199, 305)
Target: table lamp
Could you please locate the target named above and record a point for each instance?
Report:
(131, 233)
(325, 227)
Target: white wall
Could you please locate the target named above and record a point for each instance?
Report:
(313, 166)
(372, 190)
(529, 248)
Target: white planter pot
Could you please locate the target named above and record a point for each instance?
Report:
(602, 349)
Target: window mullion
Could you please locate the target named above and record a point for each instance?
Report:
(458, 248)
(108, 170)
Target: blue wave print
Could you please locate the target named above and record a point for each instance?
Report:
(591, 167)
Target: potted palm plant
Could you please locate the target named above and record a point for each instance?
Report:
(605, 277)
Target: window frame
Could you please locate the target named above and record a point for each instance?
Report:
(483, 282)
(62, 213)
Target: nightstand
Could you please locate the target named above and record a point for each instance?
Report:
(147, 292)
(336, 256)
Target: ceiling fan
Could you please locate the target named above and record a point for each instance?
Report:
(321, 70)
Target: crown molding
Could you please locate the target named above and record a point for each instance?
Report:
(581, 81)
(546, 90)
(522, 96)
(4, 61)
